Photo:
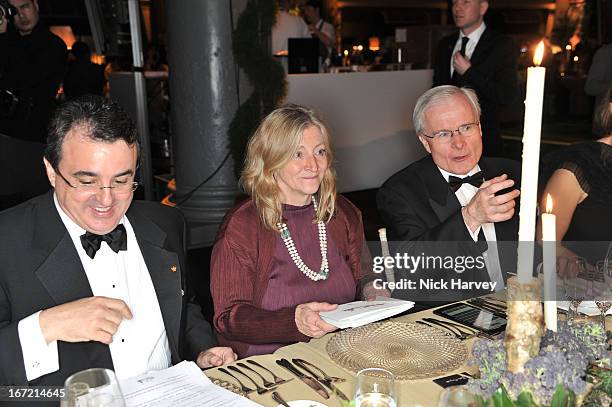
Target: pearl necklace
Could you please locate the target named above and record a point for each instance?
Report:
(297, 260)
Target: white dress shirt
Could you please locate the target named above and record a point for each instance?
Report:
(474, 37)
(491, 256)
(140, 344)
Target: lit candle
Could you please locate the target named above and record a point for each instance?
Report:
(549, 235)
(531, 160)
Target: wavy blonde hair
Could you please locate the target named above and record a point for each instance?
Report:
(273, 144)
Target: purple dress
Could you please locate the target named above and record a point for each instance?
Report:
(288, 286)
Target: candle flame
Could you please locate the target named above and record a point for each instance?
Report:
(549, 203)
(539, 54)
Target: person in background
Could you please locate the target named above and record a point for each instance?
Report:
(32, 64)
(287, 26)
(89, 277)
(294, 248)
(83, 76)
(599, 79)
(579, 180)
(320, 29)
(482, 59)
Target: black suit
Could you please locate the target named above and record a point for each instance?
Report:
(492, 75)
(40, 268)
(417, 206)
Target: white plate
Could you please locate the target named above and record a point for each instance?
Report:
(304, 403)
(586, 307)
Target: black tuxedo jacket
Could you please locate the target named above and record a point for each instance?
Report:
(417, 206)
(40, 268)
(493, 75)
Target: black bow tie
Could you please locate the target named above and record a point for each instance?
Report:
(116, 240)
(456, 182)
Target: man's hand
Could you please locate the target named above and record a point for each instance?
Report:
(87, 319)
(485, 207)
(308, 320)
(216, 356)
(460, 63)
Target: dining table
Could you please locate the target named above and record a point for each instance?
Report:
(409, 393)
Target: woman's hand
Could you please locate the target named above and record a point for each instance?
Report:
(308, 320)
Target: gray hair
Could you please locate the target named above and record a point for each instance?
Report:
(437, 95)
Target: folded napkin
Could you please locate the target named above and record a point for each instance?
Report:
(358, 313)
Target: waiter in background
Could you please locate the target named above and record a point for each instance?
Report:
(480, 58)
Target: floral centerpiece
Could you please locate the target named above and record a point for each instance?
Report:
(559, 375)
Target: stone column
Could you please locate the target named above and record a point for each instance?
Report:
(204, 98)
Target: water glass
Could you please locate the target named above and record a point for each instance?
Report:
(575, 286)
(457, 396)
(93, 388)
(375, 388)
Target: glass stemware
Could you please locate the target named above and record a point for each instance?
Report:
(93, 388)
(457, 396)
(375, 388)
(604, 299)
(575, 286)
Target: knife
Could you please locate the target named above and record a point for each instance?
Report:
(326, 382)
(311, 382)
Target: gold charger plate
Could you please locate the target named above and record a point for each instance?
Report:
(408, 350)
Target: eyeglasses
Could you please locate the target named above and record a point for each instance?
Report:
(445, 136)
(91, 187)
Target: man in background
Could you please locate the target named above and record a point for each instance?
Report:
(320, 29)
(83, 77)
(482, 59)
(287, 26)
(32, 64)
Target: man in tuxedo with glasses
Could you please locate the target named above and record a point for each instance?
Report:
(482, 59)
(89, 278)
(453, 201)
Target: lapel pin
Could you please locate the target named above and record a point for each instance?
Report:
(173, 269)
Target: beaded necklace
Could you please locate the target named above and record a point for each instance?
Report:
(297, 260)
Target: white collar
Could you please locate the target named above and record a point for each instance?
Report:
(476, 34)
(447, 174)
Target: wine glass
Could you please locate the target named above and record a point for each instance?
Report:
(93, 388)
(375, 388)
(604, 299)
(575, 286)
(457, 396)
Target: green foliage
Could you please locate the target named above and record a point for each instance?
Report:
(265, 74)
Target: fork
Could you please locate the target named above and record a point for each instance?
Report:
(244, 388)
(444, 330)
(266, 383)
(465, 331)
(459, 334)
(260, 390)
(277, 380)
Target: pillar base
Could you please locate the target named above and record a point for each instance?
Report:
(205, 211)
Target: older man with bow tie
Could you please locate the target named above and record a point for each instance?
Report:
(453, 194)
(89, 278)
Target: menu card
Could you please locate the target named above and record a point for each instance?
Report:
(182, 385)
(358, 313)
